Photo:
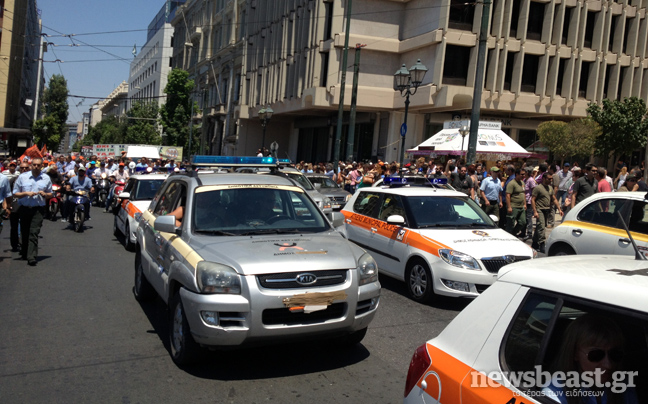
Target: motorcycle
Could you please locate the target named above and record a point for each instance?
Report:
(78, 212)
(102, 187)
(54, 203)
(118, 188)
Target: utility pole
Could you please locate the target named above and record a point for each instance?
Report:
(354, 101)
(338, 132)
(479, 84)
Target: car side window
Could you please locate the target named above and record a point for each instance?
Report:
(169, 199)
(366, 203)
(391, 205)
(604, 212)
(638, 218)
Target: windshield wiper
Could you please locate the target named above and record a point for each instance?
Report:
(426, 226)
(475, 225)
(216, 232)
(271, 231)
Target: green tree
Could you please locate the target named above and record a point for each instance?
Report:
(142, 124)
(109, 130)
(176, 112)
(56, 114)
(577, 138)
(624, 126)
(584, 136)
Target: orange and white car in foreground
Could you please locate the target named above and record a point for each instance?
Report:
(507, 346)
(438, 241)
(136, 197)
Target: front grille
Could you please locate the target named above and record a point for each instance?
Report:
(288, 280)
(494, 264)
(338, 199)
(481, 288)
(285, 317)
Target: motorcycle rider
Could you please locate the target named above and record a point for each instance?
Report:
(119, 174)
(78, 183)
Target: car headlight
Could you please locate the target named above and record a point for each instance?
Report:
(217, 278)
(326, 203)
(459, 259)
(367, 269)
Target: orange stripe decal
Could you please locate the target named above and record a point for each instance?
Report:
(131, 209)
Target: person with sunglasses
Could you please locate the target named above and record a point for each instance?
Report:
(32, 188)
(592, 343)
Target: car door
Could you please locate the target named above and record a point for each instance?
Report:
(638, 224)
(122, 214)
(388, 239)
(597, 229)
(359, 224)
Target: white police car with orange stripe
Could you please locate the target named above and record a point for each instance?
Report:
(436, 240)
(571, 329)
(136, 197)
(244, 258)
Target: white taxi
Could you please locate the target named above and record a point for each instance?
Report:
(594, 226)
(436, 240)
(534, 335)
(136, 197)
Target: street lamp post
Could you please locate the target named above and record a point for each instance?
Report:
(404, 81)
(464, 131)
(265, 114)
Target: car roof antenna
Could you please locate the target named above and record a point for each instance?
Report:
(638, 255)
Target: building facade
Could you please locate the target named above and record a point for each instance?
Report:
(545, 59)
(116, 103)
(20, 51)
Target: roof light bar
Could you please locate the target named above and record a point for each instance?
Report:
(233, 161)
(398, 181)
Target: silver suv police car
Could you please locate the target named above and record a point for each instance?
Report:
(243, 258)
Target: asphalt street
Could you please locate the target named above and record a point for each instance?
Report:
(72, 332)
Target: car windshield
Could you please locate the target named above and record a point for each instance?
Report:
(443, 211)
(325, 181)
(301, 179)
(146, 189)
(255, 210)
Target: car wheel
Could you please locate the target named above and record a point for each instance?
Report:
(561, 249)
(419, 281)
(130, 246)
(184, 350)
(142, 290)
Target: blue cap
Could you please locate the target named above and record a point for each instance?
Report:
(93, 162)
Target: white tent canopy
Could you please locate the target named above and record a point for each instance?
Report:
(490, 141)
(151, 152)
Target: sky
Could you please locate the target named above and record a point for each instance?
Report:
(105, 32)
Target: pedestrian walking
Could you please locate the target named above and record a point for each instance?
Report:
(529, 184)
(491, 189)
(5, 199)
(603, 185)
(32, 188)
(586, 185)
(542, 199)
(516, 205)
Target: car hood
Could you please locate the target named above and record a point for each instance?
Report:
(252, 255)
(333, 192)
(481, 243)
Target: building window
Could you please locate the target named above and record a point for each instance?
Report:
(584, 79)
(508, 74)
(622, 79)
(462, 15)
(526, 137)
(530, 73)
(536, 17)
(328, 22)
(455, 67)
(515, 17)
(626, 36)
(589, 29)
(324, 70)
(608, 74)
(615, 20)
(561, 74)
(569, 11)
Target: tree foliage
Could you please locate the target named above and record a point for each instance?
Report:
(142, 125)
(52, 128)
(577, 138)
(624, 125)
(176, 112)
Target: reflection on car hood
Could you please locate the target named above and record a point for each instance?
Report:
(251, 255)
(479, 243)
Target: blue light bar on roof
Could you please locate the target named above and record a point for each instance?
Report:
(231, 161)
(398, 181)
(439, 181)
(284, 161)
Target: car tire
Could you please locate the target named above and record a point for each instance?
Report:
(130, 246)
(184, 350)
(419, 282)
(561, 249)
(142, 289)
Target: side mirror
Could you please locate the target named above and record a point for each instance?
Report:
(494, 218)
(397, 220)
(338, 219)
(124, 195)
(166, 224)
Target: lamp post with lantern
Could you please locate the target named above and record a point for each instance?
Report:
(464, 131)
(407, 82)
(264, 114)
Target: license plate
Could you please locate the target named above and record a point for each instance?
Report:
(336, 206)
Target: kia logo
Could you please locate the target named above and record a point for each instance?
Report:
(509, 259)
(306, 279)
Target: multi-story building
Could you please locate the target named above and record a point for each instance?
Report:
(545, 59)
(117, 102)
(20, 50)
(150, 68)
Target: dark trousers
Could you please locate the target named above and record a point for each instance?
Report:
(539, 236)
(31, 221)
(516, 221)
(492, 209)
(14, 222)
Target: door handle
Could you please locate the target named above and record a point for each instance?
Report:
(373, 230)
(577, 232)
(625, 240)
(348, 220)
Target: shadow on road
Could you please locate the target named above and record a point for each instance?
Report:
(439, 302)
(260, 362)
